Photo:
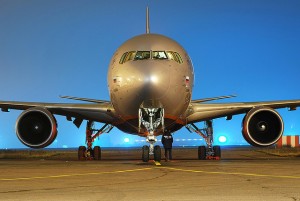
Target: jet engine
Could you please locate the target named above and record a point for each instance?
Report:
(262, 126)
(36, 127)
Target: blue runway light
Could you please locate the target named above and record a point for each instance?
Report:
(222, 139)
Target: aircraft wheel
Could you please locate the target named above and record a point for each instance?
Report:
(217, 151)
(201, 152)
(81, 153)
(145, 154)
(97, 153)
(157, 153)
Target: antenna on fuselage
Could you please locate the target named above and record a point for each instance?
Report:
(147, 21)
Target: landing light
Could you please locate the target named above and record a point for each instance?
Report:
(222, 139)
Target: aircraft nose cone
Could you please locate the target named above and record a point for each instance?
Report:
(141, 82)
(154, 81)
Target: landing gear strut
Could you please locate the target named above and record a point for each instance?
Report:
(151, 119)
(209, 151)
(88, 152)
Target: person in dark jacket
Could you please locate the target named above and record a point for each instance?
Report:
(167, 141)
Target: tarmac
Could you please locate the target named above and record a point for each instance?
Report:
(241, 174)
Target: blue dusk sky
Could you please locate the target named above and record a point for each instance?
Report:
(63, 47)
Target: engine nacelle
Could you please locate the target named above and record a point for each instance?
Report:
(262, 126)
(36, 127)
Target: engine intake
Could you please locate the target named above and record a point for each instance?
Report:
(262, 126)
(36, 127)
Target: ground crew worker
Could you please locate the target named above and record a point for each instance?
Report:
(167, 141)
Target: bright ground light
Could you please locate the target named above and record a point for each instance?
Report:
(222, 139)
(126, 139)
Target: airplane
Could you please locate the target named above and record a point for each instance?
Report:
(150, 82)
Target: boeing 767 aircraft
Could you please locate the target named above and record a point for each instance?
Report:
(150, 81)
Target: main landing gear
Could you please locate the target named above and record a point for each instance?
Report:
(208, 152)
(151, 119)
(88, 152)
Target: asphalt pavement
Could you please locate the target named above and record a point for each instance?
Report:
(241, 174)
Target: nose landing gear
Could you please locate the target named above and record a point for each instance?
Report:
(151, 119)
(208, 152)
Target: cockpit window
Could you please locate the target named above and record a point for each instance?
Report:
(175, 56)
(127, 56)
(156, 55)
(170, 55)
(141, 55)
(159, 55)
(179, 59)
(130, 56)
(123, 58)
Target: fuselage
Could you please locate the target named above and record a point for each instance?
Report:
(152, 71)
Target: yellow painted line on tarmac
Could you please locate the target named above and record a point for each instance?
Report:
(157, 163)
(73, 175)
(153, 168)
(232, 173)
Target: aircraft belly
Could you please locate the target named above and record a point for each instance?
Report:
(131, 127)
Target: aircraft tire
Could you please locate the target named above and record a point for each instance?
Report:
(201, 152)
(81, 153)
(217, 151)
(97, 153)
(145, 153)
(157, 153)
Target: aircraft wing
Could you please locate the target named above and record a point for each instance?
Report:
(203, 111)
(100, 112)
